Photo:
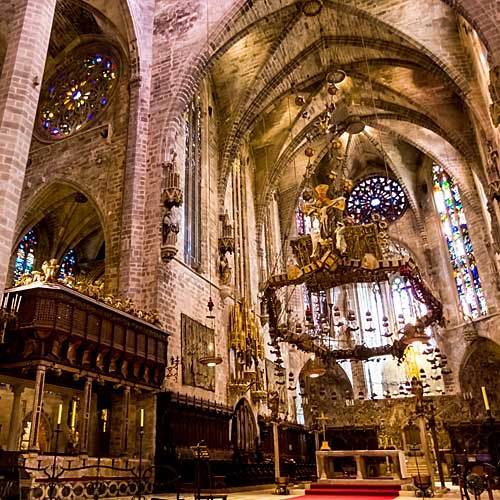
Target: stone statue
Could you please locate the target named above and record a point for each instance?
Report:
(225, 271)
(50, 270)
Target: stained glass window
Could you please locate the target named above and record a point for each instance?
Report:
(77, 94)
(192, 205)
(304, 224)
(25, 256)
(406, 306)
(300, 222)
(68, 264)
(456, 233)
(377, 195)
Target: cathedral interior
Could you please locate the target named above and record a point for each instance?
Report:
(249, 248)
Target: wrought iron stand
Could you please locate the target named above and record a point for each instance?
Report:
(140, 489)
(53, 478)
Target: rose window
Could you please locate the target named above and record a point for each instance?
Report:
(377, 195)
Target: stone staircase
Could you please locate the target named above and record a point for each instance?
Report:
(413, 469)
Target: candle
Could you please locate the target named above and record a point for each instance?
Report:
(19, 303)
(59, 414)
(142, 418)
(485, 399)
(73, 414)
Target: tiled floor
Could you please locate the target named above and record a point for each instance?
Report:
(247, 495)
(294, 493)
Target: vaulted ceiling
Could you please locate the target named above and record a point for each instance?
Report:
(408, 78)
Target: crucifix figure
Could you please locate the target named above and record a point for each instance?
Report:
(323, 419)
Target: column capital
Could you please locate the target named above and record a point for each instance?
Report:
(17, 389)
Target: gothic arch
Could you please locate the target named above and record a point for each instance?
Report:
(68, 218)
(244, 430)
(320, 392)
(480, 367)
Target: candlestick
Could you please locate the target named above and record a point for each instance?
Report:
(142, 418)
(59, 414)
(73, 414)
(485, 399)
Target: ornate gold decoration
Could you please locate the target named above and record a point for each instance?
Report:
(247, 346)
(341, 251)
(92, 289)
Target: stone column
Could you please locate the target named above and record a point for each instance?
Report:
(276, 443)
(425, 448)
(15, 420)
(125, 421)
(360, 467)
(358, 379)
(85, 420)
(130, 271)
(20, 84)
(37, 407)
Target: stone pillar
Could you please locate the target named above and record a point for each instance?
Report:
(358, 379)
(20, 84)
(125, 421)
(15, 419)
(425, 448)
(360, 467)
(85, 420)
(130, 271)
(37, 407)
(276, 443)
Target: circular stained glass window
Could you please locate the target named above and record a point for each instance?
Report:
(77, 95)
(377, 195)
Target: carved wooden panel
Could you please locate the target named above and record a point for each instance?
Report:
(68, 327)
(195, 339)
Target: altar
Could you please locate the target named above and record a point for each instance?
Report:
(325, 462)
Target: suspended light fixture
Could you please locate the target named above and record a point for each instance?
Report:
(210, 360)
(315, 369)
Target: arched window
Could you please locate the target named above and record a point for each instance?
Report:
(192, 204)
(456, 233)
(406, 306)
(68, 264)
(25, 255)
(76, 95)
(304, 223)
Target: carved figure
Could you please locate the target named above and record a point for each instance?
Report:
(225, 271)
(128, 306)
(50, 270)
(124, 368)
(36, 276)
(340, 242)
